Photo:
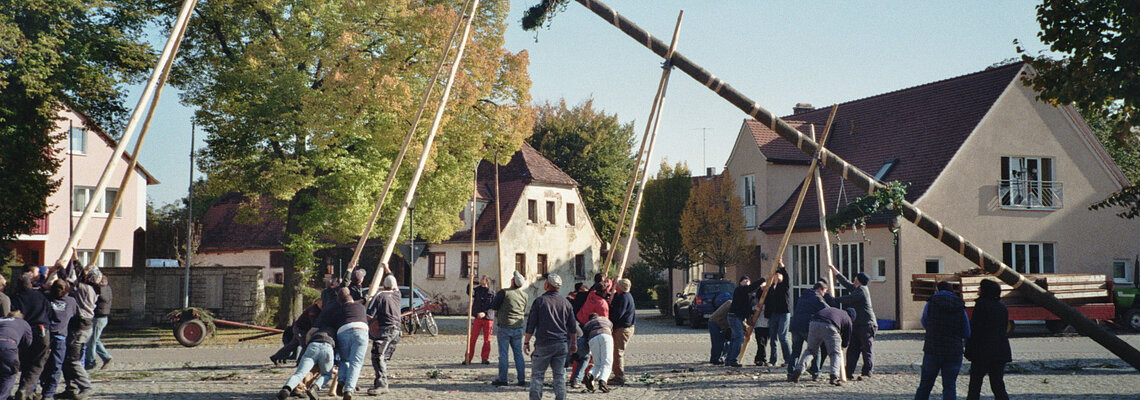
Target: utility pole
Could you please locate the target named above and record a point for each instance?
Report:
(189, 223)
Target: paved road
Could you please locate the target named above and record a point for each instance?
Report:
(665, 361)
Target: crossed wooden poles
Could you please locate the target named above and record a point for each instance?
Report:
(861, 179)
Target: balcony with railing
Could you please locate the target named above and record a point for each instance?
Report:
(1022, 194)
(41, 227)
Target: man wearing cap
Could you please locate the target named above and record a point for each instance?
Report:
(864, 325)
(830, 327)
(356, 284)
(510, 318)
(553, 325)
(624, 317)
(738, 312)
(384, 330)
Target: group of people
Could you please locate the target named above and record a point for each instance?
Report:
(337, 332)
(50, 332)
(822, 324)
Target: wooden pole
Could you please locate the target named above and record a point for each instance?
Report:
(862, 180)
(160, 69)
(404, 150)
(498, 226)
(470, 268)
(822, 207)
(425, 154)
(651, 126)
(779, 256)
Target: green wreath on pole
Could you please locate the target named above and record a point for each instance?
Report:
(854, 214)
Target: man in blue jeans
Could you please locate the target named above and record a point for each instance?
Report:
(777, 307)
(947, 328)
(509, 307)
(95, 346)
(352, 342)
(552, 323)
(738, 312)
(319, 353)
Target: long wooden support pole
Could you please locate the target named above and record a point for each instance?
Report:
(777, 259)
(824, 268)
(861, 179)
(160, 69)
(471, 265)
(651, 126)
(404, 149)
(425, 154)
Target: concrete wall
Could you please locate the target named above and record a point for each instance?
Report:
(231, 293)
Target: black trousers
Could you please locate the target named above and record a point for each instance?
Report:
(996, 371)
(862, 338)
(34, 358)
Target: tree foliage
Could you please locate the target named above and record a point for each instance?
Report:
(54, 53)
(712, 224)
(592, 147)
(659, 223)
(1126, 154)
(305, 103)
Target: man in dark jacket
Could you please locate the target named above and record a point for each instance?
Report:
(483, 320)
(988, 346)
(624, 317)
(865, 323)
(552, 323)
(384, 330)
(947, 327)
(15, 336)
(63, 308)
(830, 327)
(806, 307)
(95, 346)
(296, 339)
(778, 309)
(34, 305)
(738, 313)
(719, 332)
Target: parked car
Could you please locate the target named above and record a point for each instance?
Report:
(695, 304)
(421, 299)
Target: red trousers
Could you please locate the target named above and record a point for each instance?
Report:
(480, 326)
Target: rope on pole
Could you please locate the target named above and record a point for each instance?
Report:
(651, 129)
(399, 224)
(865, 182)
(404, 151)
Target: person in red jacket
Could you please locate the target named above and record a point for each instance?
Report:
(598, 301)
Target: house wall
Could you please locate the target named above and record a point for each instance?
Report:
(87, 169)
(965, 198)
(245, 257)
(560, 242)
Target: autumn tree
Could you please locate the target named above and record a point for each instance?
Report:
(592, 147)
(54, 53)
(1099, 71)
(712, 225)
(659, 223)
(305, 104)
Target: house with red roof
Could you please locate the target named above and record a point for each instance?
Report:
(979, 152)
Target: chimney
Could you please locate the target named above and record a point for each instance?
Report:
(802, 108)
(710, 171)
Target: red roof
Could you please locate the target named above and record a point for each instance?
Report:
(921, 127)
(220, 232)
(774, 147)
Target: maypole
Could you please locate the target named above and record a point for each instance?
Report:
(498, 225)
(822, 207)
(471, 265)
(862, 180)
(399, 224)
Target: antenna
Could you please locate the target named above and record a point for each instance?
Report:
(704, 140)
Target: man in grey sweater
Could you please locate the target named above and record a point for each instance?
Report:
(864, 325)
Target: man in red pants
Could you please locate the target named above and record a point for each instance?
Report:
(481, 324)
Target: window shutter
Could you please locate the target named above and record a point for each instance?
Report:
(1004, 168)
(1007, 252)
(1046, 169)
(1047, 262)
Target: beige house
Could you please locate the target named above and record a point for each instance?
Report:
(83, 155)
(1012, 174)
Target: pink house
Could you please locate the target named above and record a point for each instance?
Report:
(84, 154)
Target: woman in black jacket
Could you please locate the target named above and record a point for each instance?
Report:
(988, 346)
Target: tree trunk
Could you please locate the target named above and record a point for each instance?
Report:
(291, 303)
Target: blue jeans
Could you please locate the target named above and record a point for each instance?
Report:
(583, 357)
(95, 345)
(318, 354)
(798, 340)
(49, 379)
(778, 333)
(510, 339)
(353, 345)
(719, 342)
(737, 326)
(554, 357)
(932, 365)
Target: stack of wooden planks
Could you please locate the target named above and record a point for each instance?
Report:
(1070, 288)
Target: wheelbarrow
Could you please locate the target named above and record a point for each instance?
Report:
(192, 327)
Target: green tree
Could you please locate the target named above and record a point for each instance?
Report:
(305, 104)
(55, 53)
(1125, 152)
(712, 225)
(659, 223)
(1099, 72)
(593, 148)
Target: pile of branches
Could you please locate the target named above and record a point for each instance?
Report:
(191, 313)
(855, 213)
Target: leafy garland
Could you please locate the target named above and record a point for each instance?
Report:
(856, 212)
(539, 15)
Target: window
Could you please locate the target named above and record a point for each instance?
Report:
(1029, 258)
(110, 258)
(469, 262)
(1027, 182)
(749, 190)
(532, 211)
(1121, 272)
(933, 265)
(437, 264)
(542, 266)
(804, 269)
(848, 257)
(78, 140)
(279, 278)
(520, 263)
(83, 195)
(580, 266)
(570, 214)
(879, 273)
(550, 212)
(84, 256)
(885, 168)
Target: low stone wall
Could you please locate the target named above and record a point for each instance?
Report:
(145, 295)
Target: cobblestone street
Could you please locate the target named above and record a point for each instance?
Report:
(665, 362)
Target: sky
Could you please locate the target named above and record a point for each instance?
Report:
(779, 53)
